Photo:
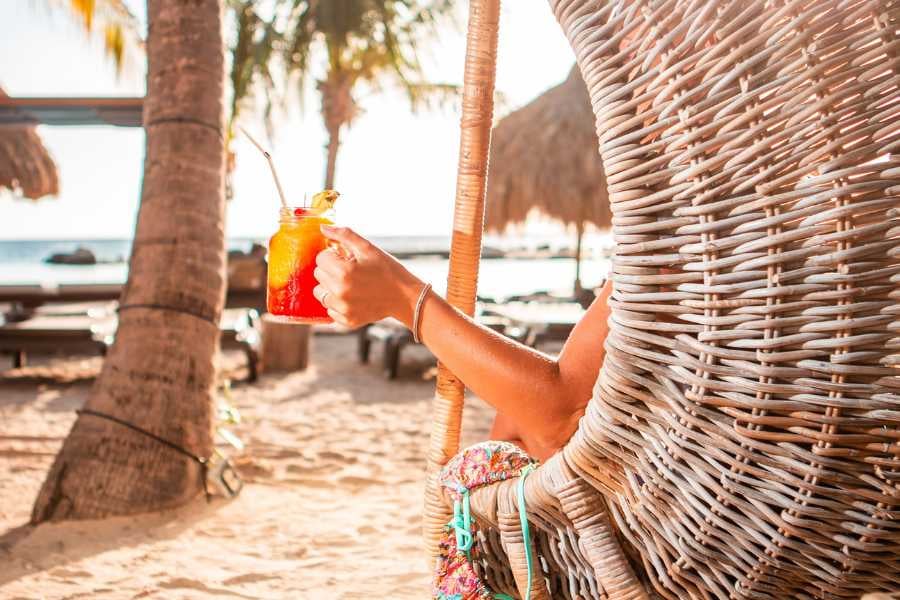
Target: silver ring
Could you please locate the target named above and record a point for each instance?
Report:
(342, 254)
(325, 295)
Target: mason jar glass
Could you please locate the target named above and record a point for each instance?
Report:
(292, 260)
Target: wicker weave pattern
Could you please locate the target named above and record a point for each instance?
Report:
(744, 429)
(747, 410)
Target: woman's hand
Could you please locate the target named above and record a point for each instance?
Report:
(360, 283)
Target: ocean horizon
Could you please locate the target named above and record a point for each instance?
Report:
(22, 262)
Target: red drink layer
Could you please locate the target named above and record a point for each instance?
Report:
(292, 260)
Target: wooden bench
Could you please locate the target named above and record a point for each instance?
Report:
(56, 330)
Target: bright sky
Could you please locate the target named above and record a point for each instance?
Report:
(396, 170)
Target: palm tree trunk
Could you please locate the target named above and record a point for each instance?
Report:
(338, 109)
(159, 374)
(579, 234)
(334, 144)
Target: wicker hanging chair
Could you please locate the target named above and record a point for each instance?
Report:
(742, 440)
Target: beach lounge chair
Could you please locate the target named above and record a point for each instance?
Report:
(62, 329)
(30, 296)
(46, 334)
(535, 323)
(742, 439)
(91, 309)
(240, 330)
(394, 336)
(24, 298)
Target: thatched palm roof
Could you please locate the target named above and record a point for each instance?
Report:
(544, 156)
(26, 166)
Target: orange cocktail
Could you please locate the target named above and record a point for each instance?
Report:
(292, 260)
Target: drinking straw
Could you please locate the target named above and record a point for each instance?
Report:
(271, 166)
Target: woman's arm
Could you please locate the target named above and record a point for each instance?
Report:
(542, 397)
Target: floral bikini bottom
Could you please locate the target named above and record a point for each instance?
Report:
(482, 464)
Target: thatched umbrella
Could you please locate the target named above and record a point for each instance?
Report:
(25, 164)
(544, 157)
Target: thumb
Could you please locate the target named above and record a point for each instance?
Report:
(346, 237)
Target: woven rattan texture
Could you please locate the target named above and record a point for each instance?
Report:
(744, 429)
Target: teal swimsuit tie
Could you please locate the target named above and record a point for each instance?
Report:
(523, 520)
(526, 532)
(462, 527)
(462, 523)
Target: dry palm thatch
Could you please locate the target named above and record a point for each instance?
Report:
(26, 166)
(544, 157)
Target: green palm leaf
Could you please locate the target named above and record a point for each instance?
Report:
(339, 44)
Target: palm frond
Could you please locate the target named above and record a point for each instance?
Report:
(434, 96)
(338, 44)
(445, 96)
(246, 23)
(300, 38)
(110, 19)
(368, 40)
(254, 43)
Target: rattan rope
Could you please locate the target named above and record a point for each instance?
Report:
(744, 429)
(465, 245)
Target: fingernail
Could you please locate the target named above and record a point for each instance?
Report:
(326, 228)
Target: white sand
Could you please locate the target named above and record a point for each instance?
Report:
(331, 509)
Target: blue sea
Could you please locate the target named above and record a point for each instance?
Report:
(22, 262)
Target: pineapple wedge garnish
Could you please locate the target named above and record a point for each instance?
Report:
(324, 201)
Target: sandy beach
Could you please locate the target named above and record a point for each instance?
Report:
(331, 507)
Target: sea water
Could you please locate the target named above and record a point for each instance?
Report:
(22, 263)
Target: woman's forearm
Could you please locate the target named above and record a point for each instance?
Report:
(528, 387)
